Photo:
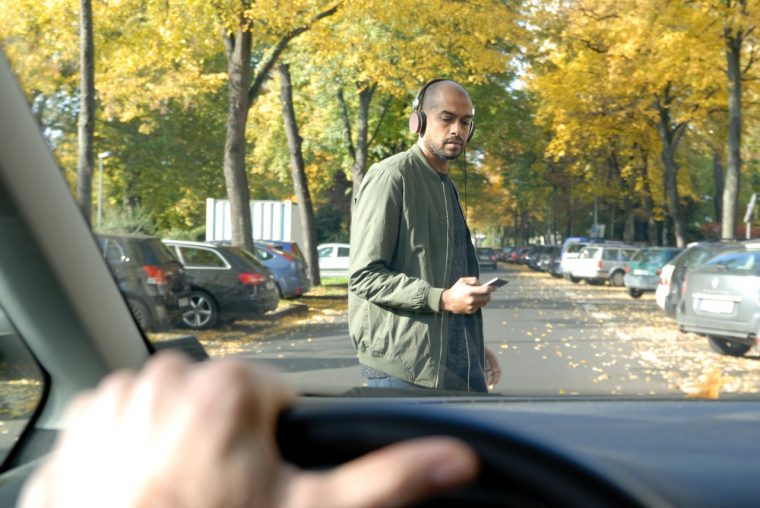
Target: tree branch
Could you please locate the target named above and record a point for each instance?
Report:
(265, 69)
(346, 124)
(380, 121)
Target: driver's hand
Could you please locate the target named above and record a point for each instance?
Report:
(202, 435)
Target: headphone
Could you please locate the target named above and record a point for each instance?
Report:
(418, 119)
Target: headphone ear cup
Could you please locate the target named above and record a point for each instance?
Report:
(472, 131)
(417, 121)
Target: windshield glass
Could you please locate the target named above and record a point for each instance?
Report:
(337, 142)
(575, 248)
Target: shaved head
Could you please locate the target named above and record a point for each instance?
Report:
(449, 122)
(436, 93)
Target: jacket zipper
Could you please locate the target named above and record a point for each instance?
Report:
(445, 278)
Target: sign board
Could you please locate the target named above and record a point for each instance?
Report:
(270, 220)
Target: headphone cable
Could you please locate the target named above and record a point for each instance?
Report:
(464, 157)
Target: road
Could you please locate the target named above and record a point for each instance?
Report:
(552, 338)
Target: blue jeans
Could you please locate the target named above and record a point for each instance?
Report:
(389, 382)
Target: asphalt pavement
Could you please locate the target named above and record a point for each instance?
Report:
(552, 338)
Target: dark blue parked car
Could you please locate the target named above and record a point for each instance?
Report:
(289, 271)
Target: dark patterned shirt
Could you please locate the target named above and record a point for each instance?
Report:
(463, 362)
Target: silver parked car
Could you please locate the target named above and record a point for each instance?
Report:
(720, 300)
(598, 263)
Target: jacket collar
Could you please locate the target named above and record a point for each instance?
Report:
(417, 151)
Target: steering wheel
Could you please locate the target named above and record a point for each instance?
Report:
(515, 471)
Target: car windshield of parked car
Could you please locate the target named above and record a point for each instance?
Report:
(603, 127)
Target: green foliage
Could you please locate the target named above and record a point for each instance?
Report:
(128, 220)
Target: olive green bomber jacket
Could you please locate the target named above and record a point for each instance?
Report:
(401, 242)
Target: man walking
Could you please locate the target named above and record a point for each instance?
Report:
(414, 295)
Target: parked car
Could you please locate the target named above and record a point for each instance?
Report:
(545, 256)
(228, 283)
(571, 249)
(333, 259)
(518, 254)
(505, 254)
(720, 300)
(289, 271)
(598, 263)
(149, 276)
(663, 283)
(695, 255)
(487, 258)
(642, 272)
(532, 255)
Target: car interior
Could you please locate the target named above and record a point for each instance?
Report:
(59, 299)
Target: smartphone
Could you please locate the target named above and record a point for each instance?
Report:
(496, 282)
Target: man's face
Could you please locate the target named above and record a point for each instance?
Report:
(449, 121)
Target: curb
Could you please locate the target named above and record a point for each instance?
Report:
(295, 309)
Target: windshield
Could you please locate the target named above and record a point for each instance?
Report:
(574, 248)
(306, 145)
(652, 256)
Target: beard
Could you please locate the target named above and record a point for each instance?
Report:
(448, 150)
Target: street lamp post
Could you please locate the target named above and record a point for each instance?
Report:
(101, 156)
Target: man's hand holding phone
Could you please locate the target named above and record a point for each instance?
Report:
(466, 296)
(496, 282)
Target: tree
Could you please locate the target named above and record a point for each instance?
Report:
(86, 110)
(737, 21)
(398, 46)
(300, 183)
(615, 70)
(243, 91)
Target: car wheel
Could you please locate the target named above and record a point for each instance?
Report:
(635, 293)
(141, 313)
(574, 280)
(727, 347)
(617, 279)
(595, 282)
(203, 312)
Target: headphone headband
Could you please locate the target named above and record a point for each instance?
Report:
(418, 119)
(417, 104)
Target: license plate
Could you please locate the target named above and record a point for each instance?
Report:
(270, 284)
(183, 302)
(640, 272)
(716, 306)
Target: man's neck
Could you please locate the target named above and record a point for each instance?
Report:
(439, 164)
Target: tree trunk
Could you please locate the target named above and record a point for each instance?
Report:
(629, 232)
(298, 173)
(359, 169)
(569, 216)
(733, 166)
(671, 135)
(238, 52)
(647, 198)
(718, 176)
(86, 122)
(235, 178)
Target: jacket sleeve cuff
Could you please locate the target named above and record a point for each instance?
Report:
(434, 299)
